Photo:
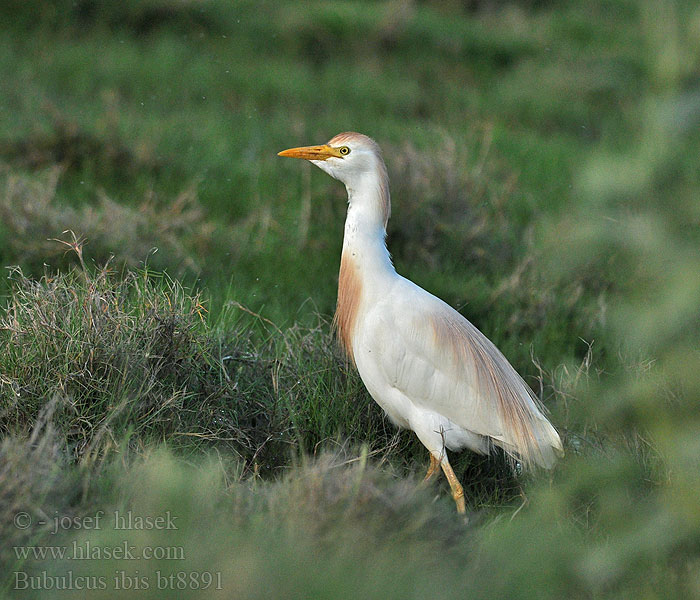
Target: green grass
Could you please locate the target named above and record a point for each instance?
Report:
(165, 341)
(163, 110)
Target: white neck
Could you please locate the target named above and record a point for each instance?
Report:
(365, 230)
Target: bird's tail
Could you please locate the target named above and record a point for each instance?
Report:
(529, 437)
(548, 444)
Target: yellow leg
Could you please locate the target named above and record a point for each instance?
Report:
(457, 491)
(432, 468)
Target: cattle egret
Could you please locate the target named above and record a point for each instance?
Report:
(428, 367)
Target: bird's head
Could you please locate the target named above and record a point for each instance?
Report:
(356, 160)
(347, 157)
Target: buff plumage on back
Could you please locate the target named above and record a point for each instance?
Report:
(383, 191)
(525, 434)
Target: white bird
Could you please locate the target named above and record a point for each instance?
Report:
(426, 365)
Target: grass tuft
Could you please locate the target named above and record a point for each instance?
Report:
(119, 355)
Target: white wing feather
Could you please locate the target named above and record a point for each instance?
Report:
(441, 362)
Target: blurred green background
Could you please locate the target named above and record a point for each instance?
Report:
(545, 181)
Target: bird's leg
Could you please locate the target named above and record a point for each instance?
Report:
(457, 490)
(434, 462)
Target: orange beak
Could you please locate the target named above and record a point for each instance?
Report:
(311, 152)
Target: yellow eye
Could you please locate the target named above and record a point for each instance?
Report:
(344, 150)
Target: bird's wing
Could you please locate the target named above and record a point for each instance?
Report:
(441, 362)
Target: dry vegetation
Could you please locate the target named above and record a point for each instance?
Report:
(33, 219)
